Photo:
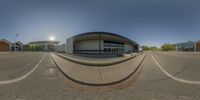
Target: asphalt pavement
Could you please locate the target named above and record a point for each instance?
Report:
(14, 65)
(163, 76)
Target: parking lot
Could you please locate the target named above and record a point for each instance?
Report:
(162, 76)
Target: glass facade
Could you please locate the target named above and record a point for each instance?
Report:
(186, 46)
(113, 47)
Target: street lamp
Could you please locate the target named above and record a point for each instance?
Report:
(16, 42)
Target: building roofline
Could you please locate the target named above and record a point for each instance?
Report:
(107, 33)
(18, 42)
(183, 42)
(6, 41)
(197, 41)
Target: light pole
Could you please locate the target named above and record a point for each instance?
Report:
(195, 46)
(16, 42)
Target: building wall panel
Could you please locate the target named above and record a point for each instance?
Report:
(87, 45)
(128, 48)
(69, 47)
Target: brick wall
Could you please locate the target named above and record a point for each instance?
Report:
(198, 46)
(4, 46)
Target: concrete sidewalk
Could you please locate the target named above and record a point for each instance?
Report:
(97, 61)
(98, 75)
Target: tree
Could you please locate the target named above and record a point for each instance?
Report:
(27, 47)
(149, 48)
(153, 48)
(145, 47)
(168, 47)
(32, 47)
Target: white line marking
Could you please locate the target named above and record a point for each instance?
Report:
(173, 77)
(22, 77)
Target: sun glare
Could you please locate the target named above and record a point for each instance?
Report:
(51, 38)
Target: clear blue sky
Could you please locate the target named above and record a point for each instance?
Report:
(148, 22)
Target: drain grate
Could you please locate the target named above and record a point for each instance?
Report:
(51, 71)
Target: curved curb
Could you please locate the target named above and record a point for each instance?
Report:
(24, 76)
(101, 84)
(99, 64)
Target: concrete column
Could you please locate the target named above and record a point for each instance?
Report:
(69, 46)
(138, 49)
(195, 46)
(46, 46)
(10, 47)
(22, 48)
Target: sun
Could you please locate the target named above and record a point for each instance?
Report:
(51, 38)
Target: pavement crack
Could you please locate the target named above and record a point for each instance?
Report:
(10, 76)
(101, 77)
(184, 67)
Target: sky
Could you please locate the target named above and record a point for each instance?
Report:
(147, 22)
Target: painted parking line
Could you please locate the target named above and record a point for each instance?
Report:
(173, 77)
(24, 76)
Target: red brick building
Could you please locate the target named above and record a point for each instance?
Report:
(198, 45)
(5, 45)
